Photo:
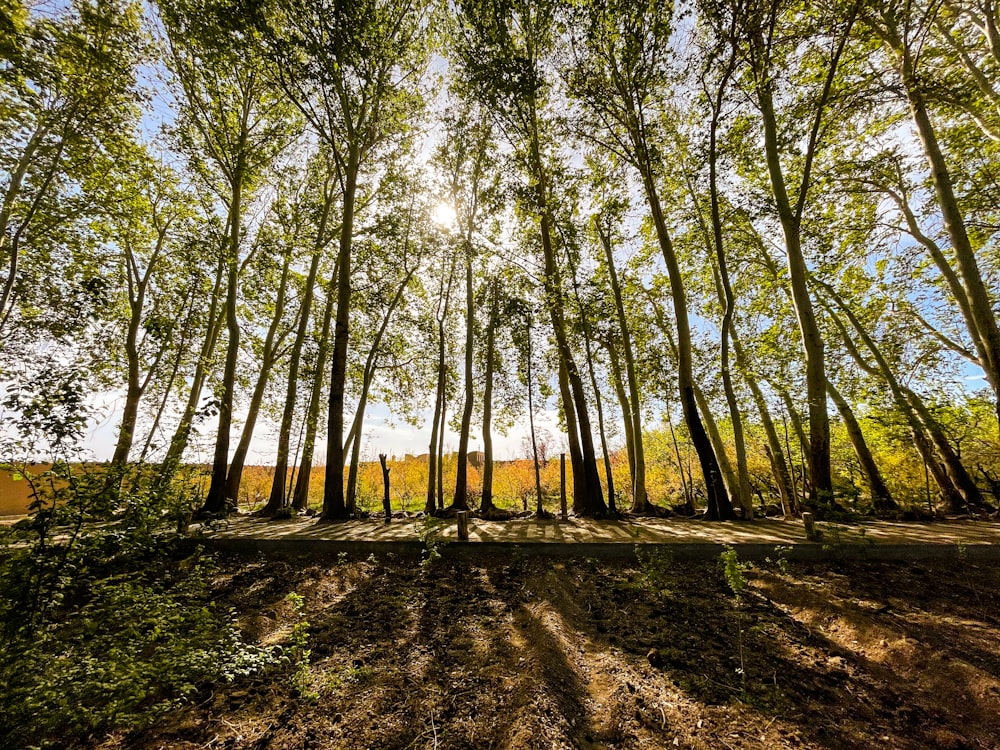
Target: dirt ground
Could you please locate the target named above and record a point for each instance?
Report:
(518, 652)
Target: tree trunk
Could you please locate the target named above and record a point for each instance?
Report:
(588, 500)
(334, 507)
(633, 417)
(623, 402)
(276, 499)
(729, 474)
(235, 477)
(353, 437)
(776, 456)
(881, 497)
(911, 407)
(727, 299)
(984, 330)
(179, 440)
(486, 504)
(719, 506)
(461, 500)
(300, 495)
(215, 500)
(821, 484)
(437, 423)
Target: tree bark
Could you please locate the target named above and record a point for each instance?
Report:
(300, 495)
(637, 454)
(235, 476)
(881, 497)
(334, 507)
(486, 504)
(276, 499)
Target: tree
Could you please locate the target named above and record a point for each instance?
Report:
(233, 124)
(500, 48)
(352, 70)
(619, 74)
(766, 38)
(65, 105)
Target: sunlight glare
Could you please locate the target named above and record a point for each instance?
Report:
(444, 214)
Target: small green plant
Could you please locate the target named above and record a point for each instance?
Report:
(341, 558)
(780, 560)
(734, 571)
(299, 652)
(432, 543)
(655, 564)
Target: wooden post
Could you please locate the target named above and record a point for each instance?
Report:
(562, 485)
(463, 525)
(807, 519)
(385, 484)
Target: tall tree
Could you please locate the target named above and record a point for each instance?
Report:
(501, 49)
(232, 125)
(619, 73)
(353, 70)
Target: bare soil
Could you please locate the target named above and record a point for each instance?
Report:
(509, 652)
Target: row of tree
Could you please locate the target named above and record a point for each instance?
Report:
(739, 211)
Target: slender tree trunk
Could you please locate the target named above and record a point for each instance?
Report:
(623, 402)
(685, 484)
(800, 437)
(486, 504)
(957, 488)
(440, 452)
(436, 424)
(633, 417)
(719, 506)
(215, 500)
(729, 474)
(300, 495)
(179, 441)
(779, 467)
(588, 500)
(235, 477)
(168, 387)
(461, 500)
(881, 497)
(368, 375)
(276, 499)
(534, 440)
(334, 507)
(821, 485)
(984, 330)
(728, 300)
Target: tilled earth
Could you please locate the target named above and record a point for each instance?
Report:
(512, 652)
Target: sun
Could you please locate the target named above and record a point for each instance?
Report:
(444, 214)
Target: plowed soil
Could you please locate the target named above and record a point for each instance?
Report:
(534, 653)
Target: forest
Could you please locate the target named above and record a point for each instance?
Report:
(765, 229)
(743, 253)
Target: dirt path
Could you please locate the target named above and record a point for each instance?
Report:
(584, 537)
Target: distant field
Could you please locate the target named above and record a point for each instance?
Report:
(513, 486)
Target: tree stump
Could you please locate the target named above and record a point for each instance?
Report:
(807, 519)
(386, 505)
(463, 525)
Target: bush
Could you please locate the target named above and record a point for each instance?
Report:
(124, 640)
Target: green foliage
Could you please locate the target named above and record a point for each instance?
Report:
(733, 570)
(655, 564)
(430, 536)
(120, 640)
(299, 652)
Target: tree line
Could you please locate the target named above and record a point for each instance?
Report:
(774, 220)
